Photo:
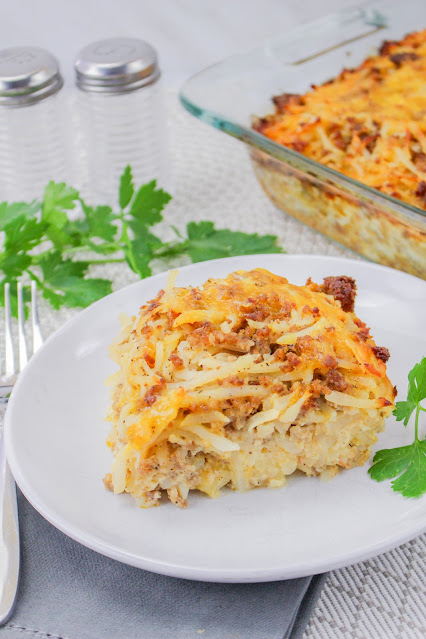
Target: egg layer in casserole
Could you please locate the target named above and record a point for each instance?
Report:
(368, 123)
(239, 383)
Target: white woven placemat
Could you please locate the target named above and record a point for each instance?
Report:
(383, 598)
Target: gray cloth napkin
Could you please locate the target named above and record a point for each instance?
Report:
(70, 592)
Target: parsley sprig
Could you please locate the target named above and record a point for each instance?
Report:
(56, 241)
(407, 463)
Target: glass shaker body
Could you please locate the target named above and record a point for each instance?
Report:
(120, 120)
(33, 147)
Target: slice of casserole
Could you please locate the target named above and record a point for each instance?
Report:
(239, 383)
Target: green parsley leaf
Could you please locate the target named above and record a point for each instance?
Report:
(205, 242)
(83, 292)
(58, 198)
(56, 300)
(56, 270)
(9, 212)
(148, 203)
(390, 462)
(140, 231)
(412, 483)
(65, 282)
(23, 234)
(126, 188)
(99, 222)
(407, 463)
(416, 392)
(403, 411)
(138, 256)
(14, 264)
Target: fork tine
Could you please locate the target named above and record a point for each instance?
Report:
(9, 359)
(23, 355)
(37, 336)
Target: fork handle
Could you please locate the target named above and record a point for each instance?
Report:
(9, 539)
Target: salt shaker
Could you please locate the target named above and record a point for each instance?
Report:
(32, 144)
(120, 118)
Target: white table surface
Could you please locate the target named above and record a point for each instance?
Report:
(380, 599)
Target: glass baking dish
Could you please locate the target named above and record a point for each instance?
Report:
(229, 94)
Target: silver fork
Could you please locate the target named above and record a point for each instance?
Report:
(9, 526)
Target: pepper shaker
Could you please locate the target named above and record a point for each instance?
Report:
(120, 118)
(32, 143)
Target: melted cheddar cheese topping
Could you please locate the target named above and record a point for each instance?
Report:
(369, 123)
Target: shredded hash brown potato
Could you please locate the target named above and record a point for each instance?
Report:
(239, 383)
(369, 123)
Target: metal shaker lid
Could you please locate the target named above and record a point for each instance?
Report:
(27, 75)
(116, 65)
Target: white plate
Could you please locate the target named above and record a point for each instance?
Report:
(55, 437)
